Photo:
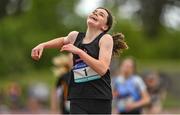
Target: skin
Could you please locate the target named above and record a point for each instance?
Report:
(127, 69)
(96, 24)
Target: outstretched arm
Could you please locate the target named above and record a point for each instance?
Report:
(100, 65)
(55, 43)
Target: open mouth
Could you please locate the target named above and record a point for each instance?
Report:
(95, 19)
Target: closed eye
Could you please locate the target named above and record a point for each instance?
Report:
(101, 14)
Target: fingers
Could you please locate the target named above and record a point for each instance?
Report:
(70, 48)
(40, 53)
(64, 48)
(35, 54)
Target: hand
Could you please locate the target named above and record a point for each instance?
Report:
(71, 48)
(115, 94)
(36, 52)
(131, 106)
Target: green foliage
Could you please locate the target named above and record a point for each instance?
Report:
(164, 46)
(19, 34)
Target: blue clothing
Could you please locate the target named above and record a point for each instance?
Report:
(129, 90)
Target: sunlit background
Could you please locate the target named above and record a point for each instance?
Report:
(151, 28)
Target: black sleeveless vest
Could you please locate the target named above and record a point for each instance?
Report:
(94, 87)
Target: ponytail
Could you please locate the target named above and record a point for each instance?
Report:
(119, 43)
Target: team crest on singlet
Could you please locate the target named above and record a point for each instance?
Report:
(83, 73)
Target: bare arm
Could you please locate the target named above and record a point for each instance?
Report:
(144, 100)
(59, 42)
(100, 65)
(55, 43)
(54, 102)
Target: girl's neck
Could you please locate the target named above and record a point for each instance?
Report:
(92, 33)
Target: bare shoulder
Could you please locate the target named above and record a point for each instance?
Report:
(73, 33)
(72, 36)
(108, 36)
(106, 39)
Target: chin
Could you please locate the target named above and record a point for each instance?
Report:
(91, 23)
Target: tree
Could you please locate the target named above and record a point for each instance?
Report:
(150, 13)
(14, 5)
(3, 5)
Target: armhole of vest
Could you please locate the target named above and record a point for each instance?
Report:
(79, 37)
(98, 40)
(101, 36)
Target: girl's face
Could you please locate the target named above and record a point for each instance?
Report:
(127, 67)
(98, 19)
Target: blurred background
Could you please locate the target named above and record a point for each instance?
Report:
(151, 28)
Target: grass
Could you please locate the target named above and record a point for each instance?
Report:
(45, 76)
(171, 102)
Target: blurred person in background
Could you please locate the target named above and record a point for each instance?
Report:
(156, 90)
(61, 70)
(33, 106)
(129, 90)
(4, 109)
(14, 92)
(38, 94)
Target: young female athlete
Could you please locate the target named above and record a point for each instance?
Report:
(89, 87)
(129, 90)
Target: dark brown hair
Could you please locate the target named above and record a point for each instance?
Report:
(118, 39)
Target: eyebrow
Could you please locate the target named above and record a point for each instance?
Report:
(102, 13)
(95, 10)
